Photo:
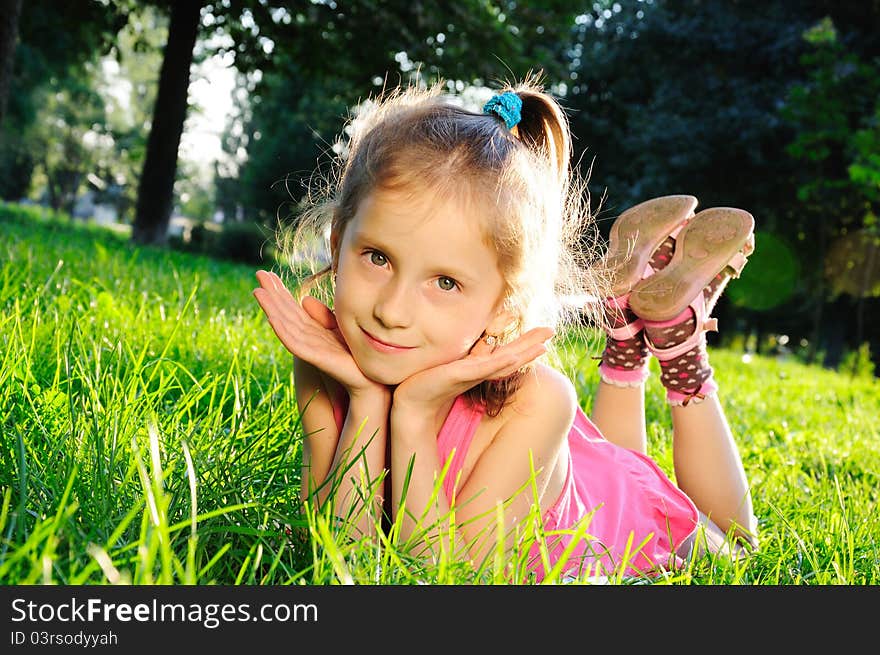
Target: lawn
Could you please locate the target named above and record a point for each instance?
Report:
(150, 435)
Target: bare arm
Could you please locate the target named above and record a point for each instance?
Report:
(334, 462)
(337, 464)
(530, 441)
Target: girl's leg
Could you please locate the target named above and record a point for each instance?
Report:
(641, 242)
(708, 467)
(619, 413)
(619, 406)
(706, 460)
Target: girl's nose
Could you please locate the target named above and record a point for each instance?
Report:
(394, 306)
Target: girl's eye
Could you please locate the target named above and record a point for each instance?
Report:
(378, 259)
(446, 283)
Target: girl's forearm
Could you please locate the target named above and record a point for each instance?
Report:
(419, 493)
(357, 472)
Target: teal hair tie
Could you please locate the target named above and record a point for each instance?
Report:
(506, 105)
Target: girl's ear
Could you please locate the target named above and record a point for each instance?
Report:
(501, 322)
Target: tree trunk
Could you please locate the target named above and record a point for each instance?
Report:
(10, 10)
(156, 188)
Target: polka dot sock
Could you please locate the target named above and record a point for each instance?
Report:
(687, 376)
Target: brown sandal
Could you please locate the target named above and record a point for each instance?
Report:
(638, 232)
(713, 240)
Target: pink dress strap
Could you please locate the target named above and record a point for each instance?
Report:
(454, 439)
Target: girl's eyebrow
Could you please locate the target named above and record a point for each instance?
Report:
(360, 238)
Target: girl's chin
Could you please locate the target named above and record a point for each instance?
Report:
(389, 374)
(388, 381)
(390, 378)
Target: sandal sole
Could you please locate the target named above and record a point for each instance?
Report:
(703, 249)
(638, 232)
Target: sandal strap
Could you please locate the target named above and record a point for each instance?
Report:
(737, 263)
(629, 330)
(697, 339)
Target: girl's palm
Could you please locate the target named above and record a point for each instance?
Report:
(309, 331)
(431, 387)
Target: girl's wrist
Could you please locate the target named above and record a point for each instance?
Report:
(378, 395)
(404, 403)
(411, 420)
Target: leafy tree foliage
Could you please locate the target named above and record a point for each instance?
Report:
(63, 142)
(834, 113)
(724, 100)
(284, 132)
(10, 10)
(342, 47)
(680, 96)
(56, 41)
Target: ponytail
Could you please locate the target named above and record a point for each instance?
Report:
(544, 127)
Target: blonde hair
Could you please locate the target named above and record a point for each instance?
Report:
(536, 209)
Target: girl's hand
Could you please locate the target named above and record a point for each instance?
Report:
(428, 390)
(310, 332)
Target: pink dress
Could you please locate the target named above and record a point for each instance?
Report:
(631, 510)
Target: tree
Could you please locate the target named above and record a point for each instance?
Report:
(678, 96)
(346, 46)
(56, 41)
(66, 137)
(156, 186)
(681, 96)
(834, 114)
(9, 13)
(283, 131)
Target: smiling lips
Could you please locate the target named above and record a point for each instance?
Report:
(383, 346)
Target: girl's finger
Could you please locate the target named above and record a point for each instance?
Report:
(293, 328)
(284, 300)
(271, 306)
(297, 328)
(267, 280)
(501, 365)
(512, 365)
(265, 300)
(282, 289)
(519, 346)
(481, 348)
(537, 335)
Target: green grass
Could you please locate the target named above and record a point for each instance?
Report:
(150, 435)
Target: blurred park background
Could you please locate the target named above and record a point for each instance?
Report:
(197, 125)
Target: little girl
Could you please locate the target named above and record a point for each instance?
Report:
(456, 244)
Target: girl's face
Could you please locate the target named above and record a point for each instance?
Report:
(416, 285)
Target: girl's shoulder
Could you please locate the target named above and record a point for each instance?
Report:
(545, 394)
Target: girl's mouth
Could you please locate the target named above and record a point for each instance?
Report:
(384, 346)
